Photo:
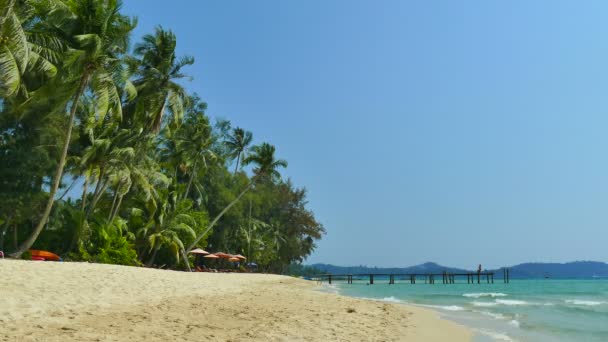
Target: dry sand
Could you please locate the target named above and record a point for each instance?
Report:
(46, 301)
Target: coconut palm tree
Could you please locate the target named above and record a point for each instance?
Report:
(157, 73)
(266, 168)
(194, 142)
(98, 36)
(237, 144)
(18, 54)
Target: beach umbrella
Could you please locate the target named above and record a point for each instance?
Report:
(211, 256)
(223, 255)
(240, 257)
(198, 251)
(234, 259)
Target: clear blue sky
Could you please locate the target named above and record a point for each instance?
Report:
(460, 132)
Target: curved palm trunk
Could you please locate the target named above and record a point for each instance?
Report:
(238, 158)
(217, 218)
(58, 173)
(67, 190)
(117, 207)
(190, 181)
(111, 213)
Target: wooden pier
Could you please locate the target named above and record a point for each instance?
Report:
(412, 278)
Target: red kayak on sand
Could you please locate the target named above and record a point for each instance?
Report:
(44, 254)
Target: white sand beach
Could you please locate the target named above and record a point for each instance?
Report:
(46, 301)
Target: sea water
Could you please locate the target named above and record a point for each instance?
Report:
(523, 310)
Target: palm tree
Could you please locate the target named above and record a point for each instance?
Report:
(194, 141)
(237, 144)
(266, 167)
(157, 75)
(17, 54)
(98, 35)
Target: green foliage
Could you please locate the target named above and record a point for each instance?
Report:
(154, 177)
(26, 256)
(110, 244)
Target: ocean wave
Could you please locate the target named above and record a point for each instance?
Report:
(497, 336)
(584, 302)
(514, 323)
(511, 302)
(491, 314)
(331, 288)
(445, 307)
(484, 294)
(391, 299)
(484, 304)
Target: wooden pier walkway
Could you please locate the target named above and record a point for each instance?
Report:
(412, 278)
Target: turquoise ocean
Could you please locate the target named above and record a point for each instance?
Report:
(523, 310)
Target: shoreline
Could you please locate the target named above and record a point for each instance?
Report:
(96, 302)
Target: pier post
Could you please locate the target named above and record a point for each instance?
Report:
(478, 277)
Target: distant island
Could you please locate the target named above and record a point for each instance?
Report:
(576, 269)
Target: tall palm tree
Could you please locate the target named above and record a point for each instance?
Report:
(266, 167)
(98, 36)
(157, 74)
(237, 144)
(194, 141)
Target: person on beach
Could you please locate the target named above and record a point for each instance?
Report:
(479, 269)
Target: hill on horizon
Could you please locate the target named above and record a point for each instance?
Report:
(575, 269)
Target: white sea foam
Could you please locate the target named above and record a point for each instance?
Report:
(331, 288)
(511, 302)
(445, 307)
(484, 304)
(584, 302)
(391, 299)
(497, 336)
(491, 314)
(514, 323)
(484, 294)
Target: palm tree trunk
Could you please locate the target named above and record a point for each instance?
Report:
(152, 257)
(190, 182)
(186, 261)
(68, 189)
(15, 238)
(58, 173)
(117, 207)
(84, 193)
(217, 218)
(111, 213)
(97, 197)
(236, 168)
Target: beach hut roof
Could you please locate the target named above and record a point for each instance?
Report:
(234, 259)
(211, 256)
(198, 251)
(240, 257)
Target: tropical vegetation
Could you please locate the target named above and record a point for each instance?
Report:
(105, 156)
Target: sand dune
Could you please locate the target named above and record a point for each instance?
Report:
(44, 301)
